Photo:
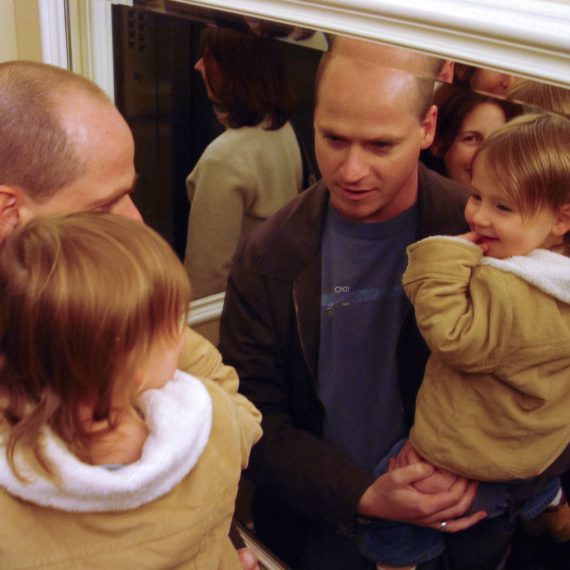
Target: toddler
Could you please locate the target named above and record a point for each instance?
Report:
(494, 308)
(110, 457)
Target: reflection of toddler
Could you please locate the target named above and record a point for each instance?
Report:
(109, 456)
(494, 307)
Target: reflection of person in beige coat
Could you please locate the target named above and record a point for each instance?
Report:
(254, 167)
(89, 479)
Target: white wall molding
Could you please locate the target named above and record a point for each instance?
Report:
(99, 52)
(206, 309)
(529, 38)
(91, 35)
(53, 29)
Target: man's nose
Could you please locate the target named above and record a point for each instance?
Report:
(355, 166)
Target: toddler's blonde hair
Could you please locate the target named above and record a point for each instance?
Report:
(529, 158)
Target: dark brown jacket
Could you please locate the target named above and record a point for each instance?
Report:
(270, 334)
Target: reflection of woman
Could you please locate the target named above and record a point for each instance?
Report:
(465, 119)
(253, 167)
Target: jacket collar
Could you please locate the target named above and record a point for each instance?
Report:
(179, 419)
(291, 239)
(441, 204)
(545, 270)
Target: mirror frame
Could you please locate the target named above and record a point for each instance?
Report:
(528, 38)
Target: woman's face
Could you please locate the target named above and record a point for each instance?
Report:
(478, 124)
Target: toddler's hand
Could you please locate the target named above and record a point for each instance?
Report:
(440, 480)
(474, 237)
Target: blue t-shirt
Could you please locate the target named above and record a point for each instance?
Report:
(362, 309)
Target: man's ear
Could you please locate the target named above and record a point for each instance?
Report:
(428, 127)
(10, 200)
(562, 224)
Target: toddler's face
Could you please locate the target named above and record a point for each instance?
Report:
(499, 222)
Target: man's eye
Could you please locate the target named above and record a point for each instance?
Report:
(333, 139)
(105, 209)
(108, 207)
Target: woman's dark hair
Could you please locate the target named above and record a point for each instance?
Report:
(247, 76)
(454, 103)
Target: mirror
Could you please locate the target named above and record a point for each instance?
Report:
(174, 118)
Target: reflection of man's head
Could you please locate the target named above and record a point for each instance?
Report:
(418, 91)
(484, 80)
(489, 81)
(419, 64)
(371, 121)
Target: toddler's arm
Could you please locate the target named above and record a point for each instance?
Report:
(201, 358)
(463, 310)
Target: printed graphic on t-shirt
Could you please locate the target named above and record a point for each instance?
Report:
(342, 296)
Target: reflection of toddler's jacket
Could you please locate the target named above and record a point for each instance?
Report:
(495, 400)
(171, 508)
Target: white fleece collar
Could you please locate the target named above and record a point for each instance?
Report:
(546, 270)
(179, 419)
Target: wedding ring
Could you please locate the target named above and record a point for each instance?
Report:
(442, 525)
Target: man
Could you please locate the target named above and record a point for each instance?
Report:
(317, 326)
(65, 148)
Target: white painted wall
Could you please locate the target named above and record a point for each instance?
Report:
(20, 30)
(8, 43)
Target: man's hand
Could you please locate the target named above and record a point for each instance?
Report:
(393, 496)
